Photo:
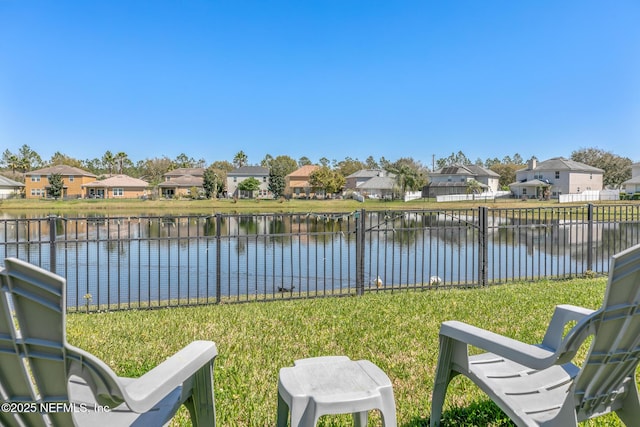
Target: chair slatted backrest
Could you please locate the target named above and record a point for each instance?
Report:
(613, 356)
(32, 344)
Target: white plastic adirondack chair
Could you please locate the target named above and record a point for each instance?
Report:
(40, 371)
(537, 385)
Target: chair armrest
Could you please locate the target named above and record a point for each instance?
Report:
(144, 392)
(533, 356)
(562, 315)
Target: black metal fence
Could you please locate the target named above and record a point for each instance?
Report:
(115, 263)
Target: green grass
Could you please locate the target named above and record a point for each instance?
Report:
(398, 332)
(113, 207)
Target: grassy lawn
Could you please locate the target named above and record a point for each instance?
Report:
(34, 207)
(398, 332)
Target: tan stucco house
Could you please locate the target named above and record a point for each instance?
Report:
(554, 177)
(297, 182)
(37, 181)
(116, 187)
(179, 182)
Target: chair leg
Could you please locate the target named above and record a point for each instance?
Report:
(201, 404)
(283, 412)
(360, 419)
(629, 414)
(388, 408)
(442, 379)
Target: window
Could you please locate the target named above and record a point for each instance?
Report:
(235, 179)
(264, 179)
(70, 178)
(35, 178)
(524, 191)
(118, 192)
(557, 174)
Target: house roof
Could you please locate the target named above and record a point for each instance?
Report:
(468, 170)
(562, 164)
(303, 172)
(6, 182)
(186, 171)
(635, 180)
(454, 184)
(61, 170)
(183, 181)
(532, 183)
(249, 171)
(123, 181)
(367, 173)
(378, 183)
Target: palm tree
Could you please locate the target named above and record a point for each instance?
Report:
(240, 159)
(119, 159)
(108, 161)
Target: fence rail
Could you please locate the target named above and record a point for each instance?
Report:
(113, 263)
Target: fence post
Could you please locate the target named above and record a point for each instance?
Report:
(360, 241)
(590, 237)
(52, 243)
(483, 220)
(218, 257)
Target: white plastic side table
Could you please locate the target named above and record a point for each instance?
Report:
(333, 385)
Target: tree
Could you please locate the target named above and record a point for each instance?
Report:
(62, 159)
(473, 187)
(240, 159)
(184, 161)
(108, 161)
(617, 169)
(56, 185)
(210, 183)
(304, 161)
(326, 179)
(279, 168)
(410, 174)
(266, 162)
(458, 158)
(222, 165)
(120, 160)
(249, 185)
(507, 173)
(28, 158)
(153, 170)
(348, 166)
(371, 163)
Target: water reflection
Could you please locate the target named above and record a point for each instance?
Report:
(178, 257)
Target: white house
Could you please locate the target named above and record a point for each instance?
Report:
(10, 188)
(554, 177)
(632, 186)
(236, 176)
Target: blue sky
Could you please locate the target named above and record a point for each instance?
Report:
(334, 78)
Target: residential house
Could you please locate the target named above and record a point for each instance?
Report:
(236, 176)
(555, 176)
(10, 188)
(372, 183)
(181, 182)
(37, 181)
(297, 182)
(632, 186)
(116, 187)
(455, 179)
